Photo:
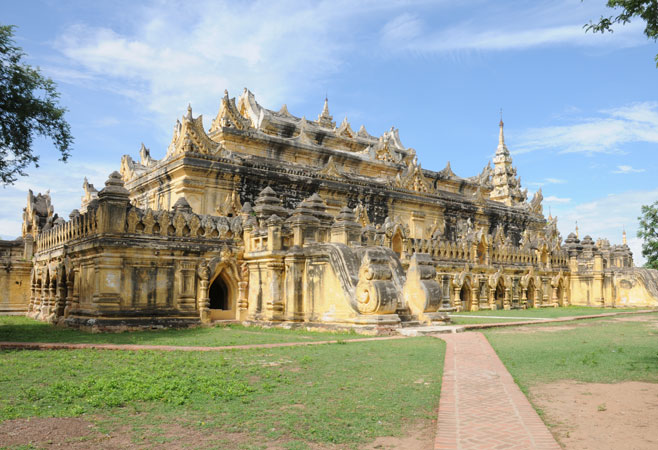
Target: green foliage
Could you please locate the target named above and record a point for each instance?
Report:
(648, 231)
(602, 351)
(647, 10)
(28, 107)
(334, 394)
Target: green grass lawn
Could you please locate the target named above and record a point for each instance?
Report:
(605, 351)
(465, 320)
(546, 313)
(23, 329)
(328, 394)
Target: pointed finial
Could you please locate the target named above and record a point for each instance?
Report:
(577, 230)
(225, 92)
(550, 216)
(189, 111)
(501, 136)
(624, 236)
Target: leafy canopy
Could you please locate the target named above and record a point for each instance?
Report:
(647, 10)
(648, 231)
(28, 107)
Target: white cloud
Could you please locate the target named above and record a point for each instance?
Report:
(627, 169)
(547, 181)
(499, 28)
(607, 217)
(554, 199)
(608, 133)
(173, 57)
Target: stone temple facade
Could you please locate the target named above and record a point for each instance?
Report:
(271, 218)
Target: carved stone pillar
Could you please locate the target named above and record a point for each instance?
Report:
(506, 300)
(33, 293)
(203, 300)
(243, 286)
(445, 284)
(456, 299)
(49, 312)
(491, 297)
(524, 298)
(294, 286)
(60, 302)
(274, 305)
(69, 293)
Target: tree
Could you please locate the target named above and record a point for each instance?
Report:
(648, 231)
(28, 107)
(647, 10)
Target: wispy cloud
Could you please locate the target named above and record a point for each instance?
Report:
(627, 169)
(554, 199)
(65, 191)
(170, 57)
(606, 133)
(547, 181)
(545, 24)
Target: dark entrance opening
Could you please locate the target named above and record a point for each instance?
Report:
(465, 297)
(499, 295)
(218, 294)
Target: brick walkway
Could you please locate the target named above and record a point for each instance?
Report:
(481, 407)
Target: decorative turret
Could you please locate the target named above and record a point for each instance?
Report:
(325, 119)
(506, 187)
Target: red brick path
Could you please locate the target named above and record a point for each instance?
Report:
(481, 407)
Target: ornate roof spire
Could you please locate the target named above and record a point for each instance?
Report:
(189, 111)
(325, 119)
(501, 137)
(624, 237)
(577, 230)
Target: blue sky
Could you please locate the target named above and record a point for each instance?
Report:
(580, 110)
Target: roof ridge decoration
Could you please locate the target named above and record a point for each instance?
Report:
(190, 137)
(303, 136)
(447, 172)
(249, 108)
(284, 111)
(364, 134)
(413, 178)
(345, 129)
(330, 169)
(228, 116)
(145, 157)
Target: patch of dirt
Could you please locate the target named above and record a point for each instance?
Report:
(78, 433)
(419, 436)
(51, 431)
(651, 318)
(600, 416)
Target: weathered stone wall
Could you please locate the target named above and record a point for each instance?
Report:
(14, 278)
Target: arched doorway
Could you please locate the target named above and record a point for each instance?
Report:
(499, 294)
(222, 306)
(531, 293)
(396, 244)
(465, 297)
